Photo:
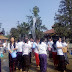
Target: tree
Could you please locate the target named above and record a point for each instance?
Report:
(23, 29)
(38, 26)
(63, 19)
(14, 33)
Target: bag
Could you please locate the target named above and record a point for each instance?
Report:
(13, 54)
(34, 46)
(49, 49)
(1, 55)
(64, 49)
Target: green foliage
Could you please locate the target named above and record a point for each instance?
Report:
(14, 33)
(38, 26)
(63, 19)
(35, 11)
(23, 29)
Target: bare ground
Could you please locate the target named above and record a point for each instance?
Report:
(50, 66)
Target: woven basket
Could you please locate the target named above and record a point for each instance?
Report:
(64, 49)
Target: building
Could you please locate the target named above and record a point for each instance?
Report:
(51, 34)
(2, 37)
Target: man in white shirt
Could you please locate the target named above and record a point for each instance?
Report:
(59, 47)
(25, 54)
(19, 54)
(60, 54)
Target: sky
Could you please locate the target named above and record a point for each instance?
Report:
(12, 11)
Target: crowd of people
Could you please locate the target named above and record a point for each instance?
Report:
(21, 52)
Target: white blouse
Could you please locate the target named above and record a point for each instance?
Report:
(25, 49)
(12, 47)
(50, 43)
(19, 46)
(30, 44)
(36, 48)
(59, 50)
(42, 48)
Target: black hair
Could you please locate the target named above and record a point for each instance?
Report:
(26, 40)
(54, 42)
(13, 44)
(37, 39)
(12, 37)
(42, 40)
(59, 37)
(54, 45)
(19, 39)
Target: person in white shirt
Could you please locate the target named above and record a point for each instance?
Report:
(61, 64)
(43, 55)
(12, 61)
(26, 58)
(65, 53)
(19, 53)
(50, 43)
(30, 49)
(5, 46)
(37, 52)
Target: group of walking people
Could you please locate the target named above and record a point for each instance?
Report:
(20, 54)
(58, 51)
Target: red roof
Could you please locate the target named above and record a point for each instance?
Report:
(3, 37)
(49, 31)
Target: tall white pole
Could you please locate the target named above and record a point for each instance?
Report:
(33, 31)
